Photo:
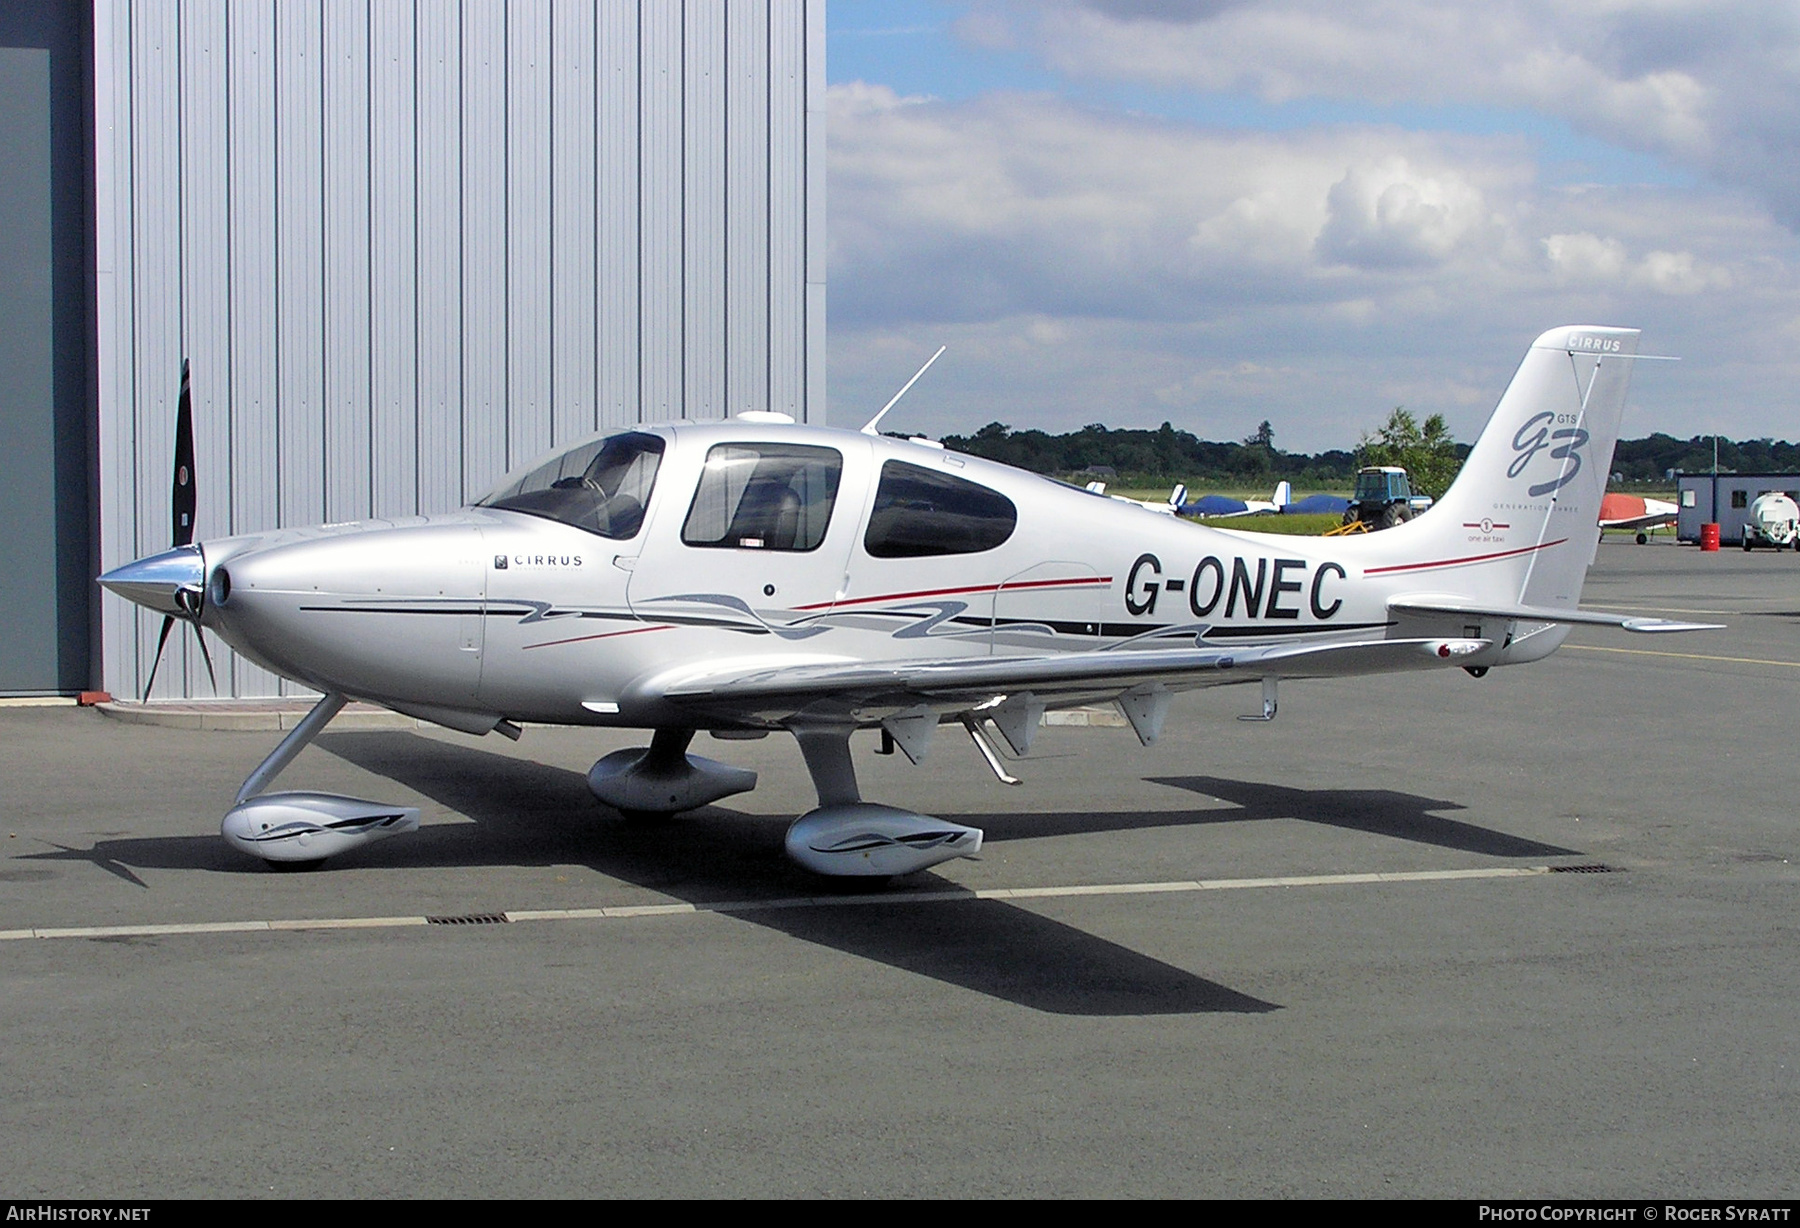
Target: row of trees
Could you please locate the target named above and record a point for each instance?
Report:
(1166, 455)
(1650, 459)
(1425, 449)
(1159, 457)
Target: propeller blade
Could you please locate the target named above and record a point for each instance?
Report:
(207, 657)
(182, 559)
(168, 623)
(182, 497)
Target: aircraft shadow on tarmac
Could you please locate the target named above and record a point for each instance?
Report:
(117, 857)
(1378, 812)
(522, 815)
(532, 814)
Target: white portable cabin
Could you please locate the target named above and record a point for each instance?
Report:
(1725, 499)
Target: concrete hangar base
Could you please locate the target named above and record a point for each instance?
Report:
(1327, 957)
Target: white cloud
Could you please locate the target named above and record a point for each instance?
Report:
(1712, 86)
(1085, 264)
(1585, 257)
(1088, 265)
(1679, 273)
(1387, 215)
(1020, 203)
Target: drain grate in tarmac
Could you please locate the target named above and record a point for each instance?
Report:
(1594, 868)
(470, 918)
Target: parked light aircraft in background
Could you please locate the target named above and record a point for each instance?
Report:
(1282, 501)
(1218, 507)
(756, 576)
(1225, 507)
(1634, 512)
(1314, 505)
(1159, 509)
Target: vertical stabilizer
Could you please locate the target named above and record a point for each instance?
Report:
(1529, 495)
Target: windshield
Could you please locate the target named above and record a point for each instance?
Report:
(601, 486)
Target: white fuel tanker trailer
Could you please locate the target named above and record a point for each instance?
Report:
(1774, 520)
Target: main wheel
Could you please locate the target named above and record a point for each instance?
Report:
(294, 867)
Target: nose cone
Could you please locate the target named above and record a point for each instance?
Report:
(379, 612)
(169, 583)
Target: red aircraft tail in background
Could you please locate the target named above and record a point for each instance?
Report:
(1633, 512)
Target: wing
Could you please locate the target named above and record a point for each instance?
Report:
(738, 690)
(1654, 521)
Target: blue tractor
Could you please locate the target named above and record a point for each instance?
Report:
(1383, 498)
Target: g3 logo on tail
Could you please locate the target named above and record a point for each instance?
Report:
(1529, 442)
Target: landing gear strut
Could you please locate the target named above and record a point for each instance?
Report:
(849, 837)
(300, 830)
(663, 779)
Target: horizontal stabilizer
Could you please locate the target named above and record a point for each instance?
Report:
(1541, 614)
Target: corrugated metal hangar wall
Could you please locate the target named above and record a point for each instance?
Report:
(408, 246)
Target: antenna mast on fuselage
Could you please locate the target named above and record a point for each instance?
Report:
(869, 428)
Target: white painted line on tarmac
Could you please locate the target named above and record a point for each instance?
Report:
(348, 923)
(626, 911)
(137, 931)
(1684, 656)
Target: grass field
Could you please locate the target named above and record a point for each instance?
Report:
(1160, 494)
(1283, 526)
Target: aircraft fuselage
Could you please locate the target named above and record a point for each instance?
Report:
(506, 613)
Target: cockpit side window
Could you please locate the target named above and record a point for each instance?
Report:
(602, 487)
(764, 496)
(921, 512)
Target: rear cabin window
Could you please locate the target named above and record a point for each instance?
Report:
(920, 513)
(601, 487)
(757, 496)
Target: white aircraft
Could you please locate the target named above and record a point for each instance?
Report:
(1159, 509)
(1224, 507)
(1209, 507)
(755, 576)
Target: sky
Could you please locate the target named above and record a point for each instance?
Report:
(1218, 212)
